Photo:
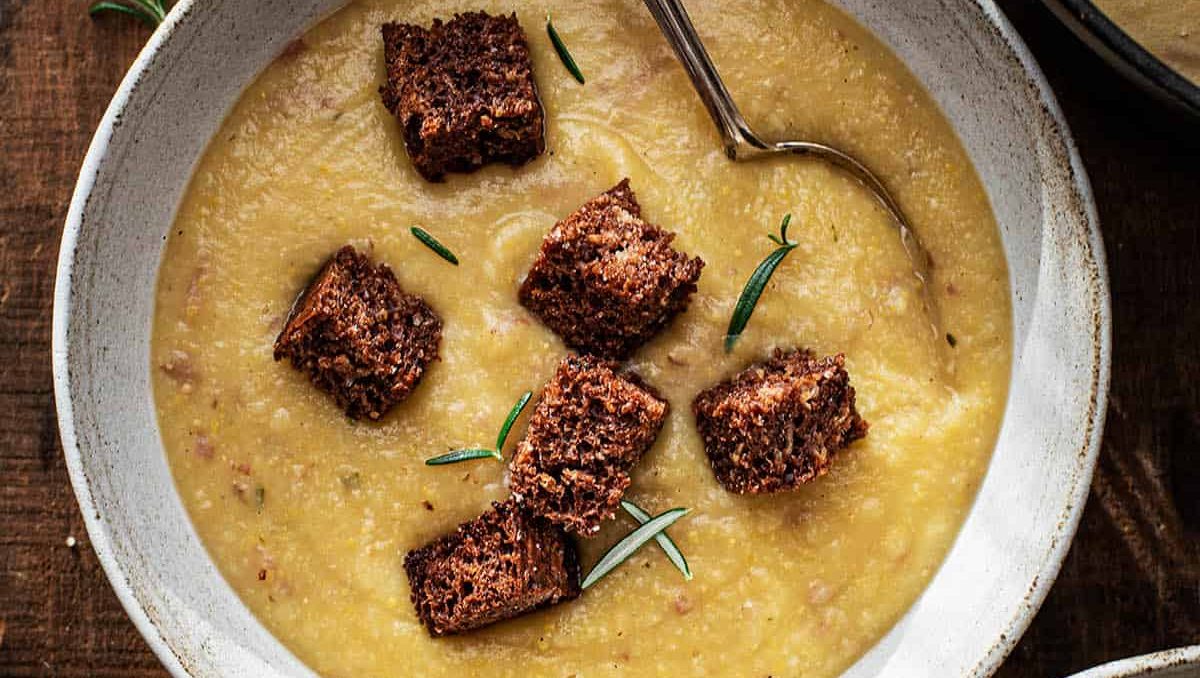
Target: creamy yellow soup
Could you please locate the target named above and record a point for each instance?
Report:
(309, 514)
(1170, 29)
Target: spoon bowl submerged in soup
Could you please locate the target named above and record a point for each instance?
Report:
(309, 514)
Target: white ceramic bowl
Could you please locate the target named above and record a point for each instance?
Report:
(191, 72)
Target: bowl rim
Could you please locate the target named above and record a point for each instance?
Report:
(1126, 53)
(98, 536)
(102, 542)
(1145, 665)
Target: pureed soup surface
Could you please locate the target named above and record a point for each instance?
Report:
(309, 514)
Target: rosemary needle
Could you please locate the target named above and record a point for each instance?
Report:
(757, 283)
(563, 53)
(461, 455)
(664, 542)
(512, 418)
(479, 453)
(150, 11)
(433, 244)
(622, 550)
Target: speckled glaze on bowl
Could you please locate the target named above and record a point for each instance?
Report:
(190, 74)
(1181, 662)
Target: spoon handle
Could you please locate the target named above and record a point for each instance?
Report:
(740, 143)
(677, 27)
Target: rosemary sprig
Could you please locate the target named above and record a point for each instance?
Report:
(511, 419)
(563, 53)
(622, 550)
(150, 11)
(757, 283)
(479, 453)
(433, 244)
(462, 455)
(664, 542)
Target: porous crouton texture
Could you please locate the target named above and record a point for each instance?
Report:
(590, 427)
(500, 565)
(605, 280)
(358, 336)
(777, 425)
(463, 92)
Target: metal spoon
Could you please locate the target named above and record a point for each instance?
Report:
(741, 143)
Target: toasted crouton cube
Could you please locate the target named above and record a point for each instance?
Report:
(605, 280)
(500, 565)
(463, 92)
(358, 336)
(776, 425)
(590, 427)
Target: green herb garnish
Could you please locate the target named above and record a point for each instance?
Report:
(563, 53)
(511, 419)
(664, 542)
(479, 453)
(950, 339)
(432, 243)
(757, 283)
(150, 11)
(260, 498)
(462, 455)
(622, 550)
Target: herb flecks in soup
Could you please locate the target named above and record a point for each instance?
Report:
(309, 514)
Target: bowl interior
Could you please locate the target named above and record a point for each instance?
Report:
(191, 73)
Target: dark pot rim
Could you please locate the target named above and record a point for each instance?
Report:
(1126, 54)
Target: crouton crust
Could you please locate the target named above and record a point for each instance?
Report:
(590, 427)
(358, 336)
(463, 92)
(777, 425)
(500, 565)
(605, 280)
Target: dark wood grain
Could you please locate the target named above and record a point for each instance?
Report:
(57, 72)
(1130, 585)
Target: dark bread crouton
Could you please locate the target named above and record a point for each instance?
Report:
(500, 565)
(777, 425)
(605, 280)
(463, 92)
(590, 427)
(357, 335)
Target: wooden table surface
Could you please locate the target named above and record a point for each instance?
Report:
(1130, 585)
